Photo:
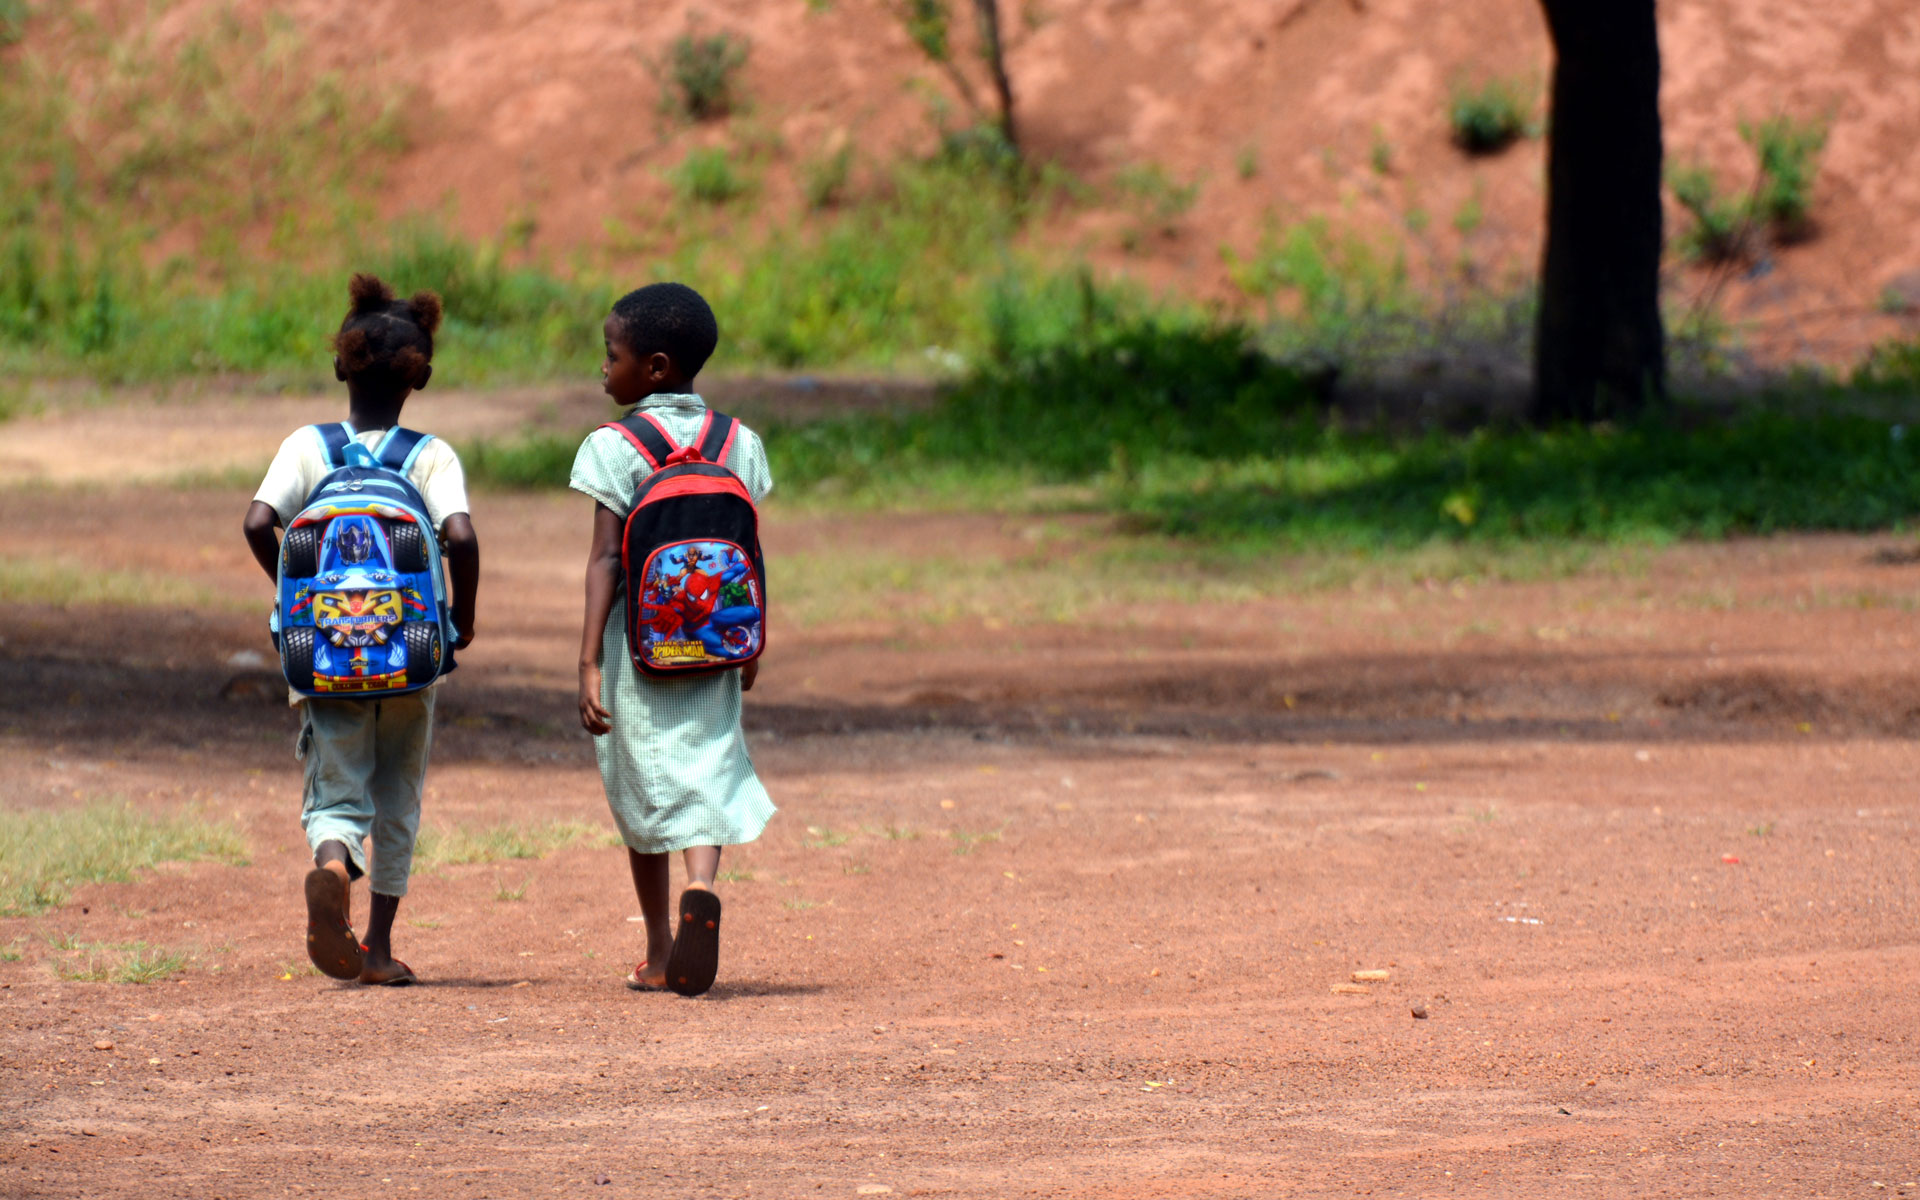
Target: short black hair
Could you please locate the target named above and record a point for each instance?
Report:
(670, 319)
(386, 340)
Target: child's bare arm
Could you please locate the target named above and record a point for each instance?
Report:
(603, 577)
(748, 674)
(258, 526)
(463, 563)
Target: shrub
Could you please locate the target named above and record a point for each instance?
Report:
(1788, 154)
(1724, 228)
(708, 176)
(1491, 117)
(1721, 224)
(702, 71)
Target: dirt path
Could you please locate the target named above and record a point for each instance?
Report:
(1051, 908)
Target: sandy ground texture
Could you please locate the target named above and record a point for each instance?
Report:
(1057, 903)
(1277, 111)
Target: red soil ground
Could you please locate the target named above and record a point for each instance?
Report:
(551, 112)
(1049, 909)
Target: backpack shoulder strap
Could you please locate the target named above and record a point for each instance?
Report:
(647, 436)
(716, 437)
(400, 448)
(333, 442)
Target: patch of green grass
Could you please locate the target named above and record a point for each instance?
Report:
(735, 876)
(1491, 116)
(1750, 474)
(824, 178)
(819, 837)
(709, 175)
(508, 895)
(1155, 198)
(856, 868)
(965, 841)
(125, 962)
(464, 844)
(44, 854)
(11, 951)
(1764, 829)
(71, 583)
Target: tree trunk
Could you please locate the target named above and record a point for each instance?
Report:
(991, 49)
(1599, 348)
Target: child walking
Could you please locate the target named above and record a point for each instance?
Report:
(671, 751)
(367, 759)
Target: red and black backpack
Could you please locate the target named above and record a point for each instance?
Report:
(695, 578)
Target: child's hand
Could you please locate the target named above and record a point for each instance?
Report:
(748, 674)
(462, 628)
(593, 718)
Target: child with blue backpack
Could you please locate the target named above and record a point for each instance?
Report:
(674, 529)
(364, 630)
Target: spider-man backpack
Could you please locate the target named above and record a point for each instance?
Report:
(695, 578)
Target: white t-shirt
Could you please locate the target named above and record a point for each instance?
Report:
(302, 463)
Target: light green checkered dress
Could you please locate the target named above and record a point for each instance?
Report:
(675, 765)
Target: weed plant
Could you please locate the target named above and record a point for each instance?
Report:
(1724, 227)
(703, 74)
(1787, 153)
(1489, 118)
(127, 962)
(44, 854)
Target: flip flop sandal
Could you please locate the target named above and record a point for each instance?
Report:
(397, 975)
(636, 984)
(696, 944)
(331, 945)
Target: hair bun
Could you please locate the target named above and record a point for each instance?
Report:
(369, 294)
(425, 310)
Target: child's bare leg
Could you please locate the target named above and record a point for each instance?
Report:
(379, 944)
(652, 886)
(703, 863)
(332, 856)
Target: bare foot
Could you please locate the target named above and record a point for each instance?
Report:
(385, 970)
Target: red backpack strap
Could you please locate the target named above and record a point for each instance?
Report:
(648, 436)
(716, 437)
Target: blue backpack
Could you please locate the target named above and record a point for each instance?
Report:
(362, 609)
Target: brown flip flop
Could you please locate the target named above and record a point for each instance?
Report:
(331, 945)
(695, 959)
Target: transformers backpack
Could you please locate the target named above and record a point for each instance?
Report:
(362, 609)
(690, 555)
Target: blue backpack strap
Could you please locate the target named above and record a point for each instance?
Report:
(334, 440)
(400, 447)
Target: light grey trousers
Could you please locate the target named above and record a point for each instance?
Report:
(366, 762)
